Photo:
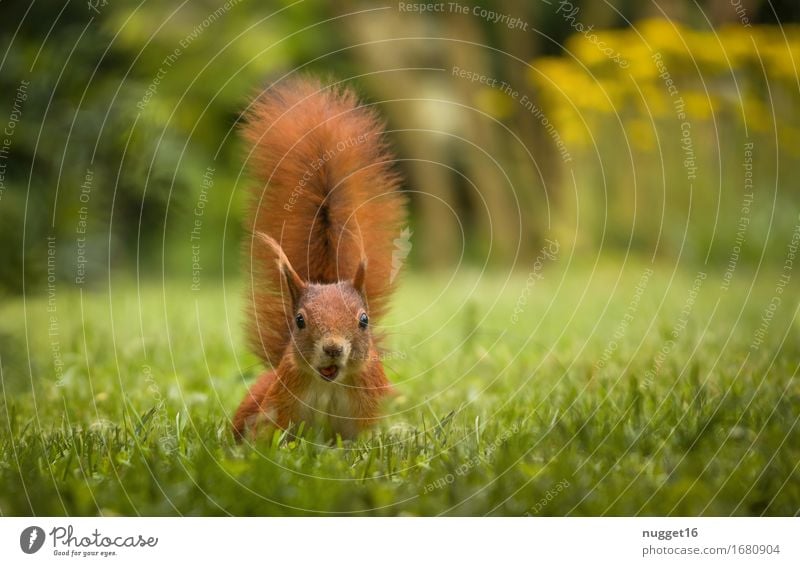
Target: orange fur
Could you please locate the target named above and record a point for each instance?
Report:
(327, 208)
(277, 397)
(349, 205)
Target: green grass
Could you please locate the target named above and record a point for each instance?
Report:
(492, 418)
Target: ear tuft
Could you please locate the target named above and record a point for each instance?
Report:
(360, 278)
(293, 281)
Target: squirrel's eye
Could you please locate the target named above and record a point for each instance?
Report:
(300, 320)
(363, 320)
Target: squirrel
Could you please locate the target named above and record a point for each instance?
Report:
(321, 223)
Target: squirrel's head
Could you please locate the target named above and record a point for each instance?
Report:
(330, 328)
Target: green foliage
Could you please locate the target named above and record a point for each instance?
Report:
(145, 97)
(77, 122)
(685, 147)
(492, 417)
(138, 97)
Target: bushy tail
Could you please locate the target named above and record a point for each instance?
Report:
(326, 191)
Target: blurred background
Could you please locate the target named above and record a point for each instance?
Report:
(638, 128)
(603, 227)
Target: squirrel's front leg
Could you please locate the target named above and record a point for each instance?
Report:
(254, 411)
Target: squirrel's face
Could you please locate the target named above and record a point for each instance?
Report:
(330, 330)
(331, 334)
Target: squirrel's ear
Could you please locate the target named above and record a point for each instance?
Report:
(360, 278)
(293, 281)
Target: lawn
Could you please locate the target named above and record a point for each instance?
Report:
(582, 391)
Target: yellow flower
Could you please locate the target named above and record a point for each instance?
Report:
(653, 100)
(494, 102)
(598, 48)
(640, 56)
(782, 61)
(706, 52)
(754, 113)
(664, 36)
(699, 105)
(641, 134)
(738, 44)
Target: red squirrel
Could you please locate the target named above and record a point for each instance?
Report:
(321, 225)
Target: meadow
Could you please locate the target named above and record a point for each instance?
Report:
(622, 388)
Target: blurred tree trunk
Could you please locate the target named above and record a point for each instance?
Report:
(507, 205)
(493, 204)
(538, 170)
(424, 155)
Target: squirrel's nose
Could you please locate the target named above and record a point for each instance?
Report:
(333, 350)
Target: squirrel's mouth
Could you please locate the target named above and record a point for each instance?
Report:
(329, 373)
